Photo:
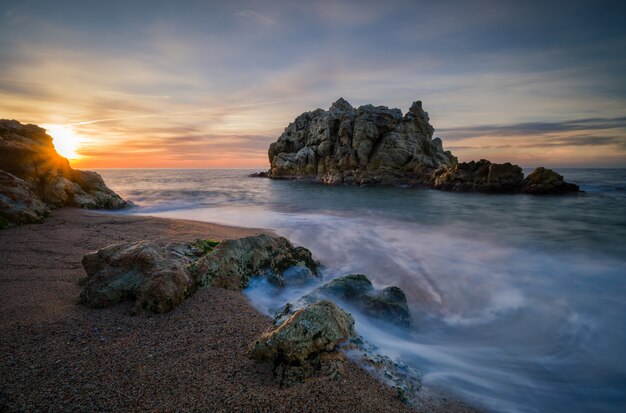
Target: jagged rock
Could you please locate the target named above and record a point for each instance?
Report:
(156, 278)
(389, 304)
(27, 152)
(481, 176)
(18, 204)
(544, 181)
(234, 262)
(368, 145)
(306, 343)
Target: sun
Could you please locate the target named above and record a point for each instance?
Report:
(66, 141)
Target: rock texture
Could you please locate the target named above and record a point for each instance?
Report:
(159, 278)
(481, 176)
(367, 145)
(357, 291)
(306, 343)
(27, 153)
(234, 262)
(18, 204)
(544, 181)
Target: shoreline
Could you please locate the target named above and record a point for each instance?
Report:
(60, 356)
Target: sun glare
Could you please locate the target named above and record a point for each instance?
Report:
(66, 141)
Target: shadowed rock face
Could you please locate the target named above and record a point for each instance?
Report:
(368, 145)
(388, 304)
(481, 176)
(306, 343)
(27, 153)
(18, 204)
(544, 181)
(159, 278)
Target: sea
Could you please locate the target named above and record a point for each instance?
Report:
(519, 301)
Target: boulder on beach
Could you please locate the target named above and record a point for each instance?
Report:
(543, 181)
(27, 153)
(366, 145)
(356, 290)
(307, 343)
(234, 262)
(158, 278)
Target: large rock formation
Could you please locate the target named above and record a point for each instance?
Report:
(368, 145)
(378, 145)
(28, 155)
(357, 291)
(306, 343)
(159, 278)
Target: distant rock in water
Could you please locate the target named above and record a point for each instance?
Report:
(544, 181)
(375, 145)
(36, 178)
(367, 145)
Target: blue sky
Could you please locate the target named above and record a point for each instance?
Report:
(211, 84)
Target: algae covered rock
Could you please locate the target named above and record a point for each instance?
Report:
(543, 181)
(356, 290)
(234, 262)
(306, 343)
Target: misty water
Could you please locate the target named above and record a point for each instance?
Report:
(519, 301)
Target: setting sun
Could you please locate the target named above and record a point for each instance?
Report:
(65, 139)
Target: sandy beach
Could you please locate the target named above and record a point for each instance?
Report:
(59, 356)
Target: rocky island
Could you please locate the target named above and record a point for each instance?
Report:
(34, 178)
(375, 145)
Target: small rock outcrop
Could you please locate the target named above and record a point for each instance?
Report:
(18, 204)
(159, 278)
(27, 153)
(356, 290)
(234, 262)
(544, 181)
(307, 343)
(367, 145)
(481, 176)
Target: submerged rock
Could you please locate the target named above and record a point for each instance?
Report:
(389, 304)
(481, 176)
(543, 181)
(18, 203)
(27, 153)
(306, 343)
(235, 262)
(367, 145)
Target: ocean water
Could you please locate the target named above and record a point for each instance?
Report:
(519, 301)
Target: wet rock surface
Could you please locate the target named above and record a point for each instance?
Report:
(356, 290)
(481, 176)
(543, 181)
(27, 154)
(307, 343)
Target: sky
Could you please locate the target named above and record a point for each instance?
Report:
(204, 84)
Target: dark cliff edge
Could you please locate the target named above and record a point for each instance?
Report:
(34, 178)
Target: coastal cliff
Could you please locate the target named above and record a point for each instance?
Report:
(34, 178)
(375, 145)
